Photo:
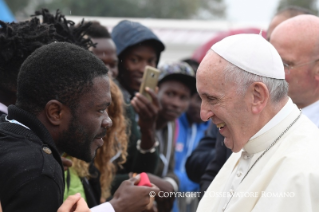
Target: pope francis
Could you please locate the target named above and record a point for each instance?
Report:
(275, 161)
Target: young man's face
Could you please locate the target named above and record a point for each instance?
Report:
(134, 62)
(106, 51)
(193, 111)
(174, 98)
(88, 123)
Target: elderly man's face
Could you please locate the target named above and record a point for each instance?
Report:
(298, 53)
(221, 103)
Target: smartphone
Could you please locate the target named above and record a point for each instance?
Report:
(150, 79)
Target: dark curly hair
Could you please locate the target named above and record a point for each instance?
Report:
(19, 40)
(60, 71)
(96, 30)
(66, 30)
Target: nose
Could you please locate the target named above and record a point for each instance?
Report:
(142, 66)
(176, 102)
(205, 112)
(107, 122)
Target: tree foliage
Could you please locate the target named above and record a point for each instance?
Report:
(308, 4)
(176, 9)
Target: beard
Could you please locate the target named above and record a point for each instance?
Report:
(76, 141)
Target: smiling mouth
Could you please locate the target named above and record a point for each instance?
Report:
(221, 125)
(100, 142)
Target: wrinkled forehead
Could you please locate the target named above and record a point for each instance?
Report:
(210, 71)
(211, 64)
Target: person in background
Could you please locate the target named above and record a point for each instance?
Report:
(202, 155)
(15, 48)
(193, 63)
(284, 14)
(137, 46)
(74, 203)
(191, 129)
(94, 183)
(105, 48)
(300, 54)
(176, 86)
(112, 156)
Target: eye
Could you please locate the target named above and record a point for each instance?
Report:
(211, 99)
(134, 60)
(170, 94)
(102, 111)
(152, 62)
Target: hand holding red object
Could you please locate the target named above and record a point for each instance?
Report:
(144, 180)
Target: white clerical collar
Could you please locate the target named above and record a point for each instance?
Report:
(3, 108)
(281, 115)
(312, 112)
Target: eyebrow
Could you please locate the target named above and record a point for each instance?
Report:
(139, 56)
(105, 104)
(207, 95)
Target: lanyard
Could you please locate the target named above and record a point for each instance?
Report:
(15, 122)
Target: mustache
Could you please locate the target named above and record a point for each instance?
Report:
(102, 134)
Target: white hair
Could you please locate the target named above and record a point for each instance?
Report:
(278, 89)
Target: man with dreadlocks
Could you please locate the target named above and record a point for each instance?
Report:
(31, 177)
(19, 40)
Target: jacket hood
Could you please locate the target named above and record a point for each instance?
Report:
(128, 33)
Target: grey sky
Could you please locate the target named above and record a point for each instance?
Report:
(251, 10)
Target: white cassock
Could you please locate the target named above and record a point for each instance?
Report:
(285, 179)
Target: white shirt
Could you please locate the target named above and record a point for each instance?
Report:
(105, 207)
(3, 108)
(312, 112)
(252, 151)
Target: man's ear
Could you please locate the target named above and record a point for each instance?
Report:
(259, 96)
(55, 112)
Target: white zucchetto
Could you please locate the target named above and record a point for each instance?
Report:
(252, 53)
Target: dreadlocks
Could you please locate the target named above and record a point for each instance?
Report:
(66, 32)
(19, 40)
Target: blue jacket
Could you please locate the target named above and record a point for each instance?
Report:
(187, 140)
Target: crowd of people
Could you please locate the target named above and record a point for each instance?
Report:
(75, 133)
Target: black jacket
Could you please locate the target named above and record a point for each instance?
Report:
(31, 171)
(2, 113)
(222, 153)
(197, 162)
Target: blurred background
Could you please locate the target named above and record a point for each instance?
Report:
(183, 25)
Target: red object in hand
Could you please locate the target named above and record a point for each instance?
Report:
(145, 181)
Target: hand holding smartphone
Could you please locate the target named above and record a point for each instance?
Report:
(150, 79)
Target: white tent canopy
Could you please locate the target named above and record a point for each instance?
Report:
(181, 37)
